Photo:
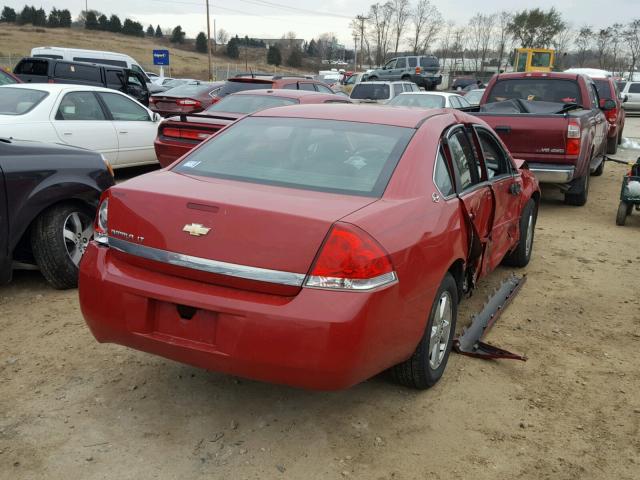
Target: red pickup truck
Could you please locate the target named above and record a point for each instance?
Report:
(555, 122)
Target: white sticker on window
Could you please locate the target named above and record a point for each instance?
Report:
(191, 164)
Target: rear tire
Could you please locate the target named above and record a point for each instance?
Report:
(623, 211)
(372, 78)
(578, 193)
(620, 138)
(58, 239)
(522, 254)
(425, 367)
(600, 170)
(612, 145)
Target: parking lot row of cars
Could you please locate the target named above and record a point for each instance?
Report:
(280, 201)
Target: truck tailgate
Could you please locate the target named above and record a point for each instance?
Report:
(532, 137)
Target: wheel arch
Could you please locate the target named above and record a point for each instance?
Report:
(457, 272)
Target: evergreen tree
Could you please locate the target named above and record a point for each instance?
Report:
(177, 35)
(232, 48)
(26, 15)
(65, 18)
(103, 23)
(39, 17)
(54, 18)
(135, 29)
(312, 48)
(91, 22)
(295, 57)
(150, 31)
(159, 33)
(115, 25)
(274, 57)
(201, 43)
(8, 15)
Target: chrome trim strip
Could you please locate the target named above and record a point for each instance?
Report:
(207, 265)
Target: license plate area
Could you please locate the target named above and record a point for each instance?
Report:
(184, 322)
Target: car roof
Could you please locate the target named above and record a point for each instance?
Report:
(442, 94)
(58, 87)
(560, 75)
(283, 92)
(380, 115)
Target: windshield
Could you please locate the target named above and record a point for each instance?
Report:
(18, 101)
(322, 155)
(249, 103)
(419, 100)
(604, 89)
(370, 91)
(536, 90)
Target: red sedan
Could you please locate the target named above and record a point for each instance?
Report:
(189, 98)
(178, 135)
(310, 245)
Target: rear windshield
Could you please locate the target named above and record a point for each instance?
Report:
(18, 101)
(536, 90)
(429, 62)
(604, 89)
(370, 91)
(419, 100)
(249, 103)
(6, 79)
(232, 86)
(322, 155)
(32, 67)
(190, 90)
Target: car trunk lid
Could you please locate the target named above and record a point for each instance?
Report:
(275, 230)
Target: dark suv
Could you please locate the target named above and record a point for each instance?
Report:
(48, 201)
(422, 70)
(49, 70)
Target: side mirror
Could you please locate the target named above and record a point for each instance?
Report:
(156, 117)
(625, 97)
(609, 105)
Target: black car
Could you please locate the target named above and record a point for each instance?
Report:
(48, 198)
(50, 70)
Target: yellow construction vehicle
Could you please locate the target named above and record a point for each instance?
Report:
(534, 59)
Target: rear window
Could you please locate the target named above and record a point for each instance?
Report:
(18, 101)
(322, 155)
(77, 71)
(32, 67)
(419, 100)
(536, 90)
(249, 103)
(232, 86)
(102, 61)
(604, 89)
(370, 91)
(190, 90)
(429, 62)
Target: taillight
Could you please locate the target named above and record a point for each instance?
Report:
(351, 259)
(184, 133)
(573, 138)
(187, 102)
(215, 100)
(100, 225)
(152, 100)
(612, 115)
(418, 70)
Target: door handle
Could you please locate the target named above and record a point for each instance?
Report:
(503, 129)
(123, 132)
(67, 134)
(515, 189)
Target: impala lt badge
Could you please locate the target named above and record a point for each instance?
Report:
(195, 229)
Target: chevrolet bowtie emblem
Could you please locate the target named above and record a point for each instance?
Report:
(195, 229)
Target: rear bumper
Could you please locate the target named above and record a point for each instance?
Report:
(427, 80)
(318, 339)
(168, 151)
(551, 173)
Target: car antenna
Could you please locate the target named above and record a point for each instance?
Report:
(252, 74)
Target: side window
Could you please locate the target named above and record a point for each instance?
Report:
(463, 102)
(454, 102)
(80, 106)
(391, 64)
(442, 177)
(401, 63)
(115, 79)
(595, 102)
(464, 162)
(397, 89)
(76, 71)
(634, 88)
(413, 62)
(307, 86)
(291, 86)
(323, 89)
(124, 109)
(408, 87)
(495, 159)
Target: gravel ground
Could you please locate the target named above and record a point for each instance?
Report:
(73, 408)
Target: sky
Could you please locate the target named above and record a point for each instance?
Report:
(308, 18)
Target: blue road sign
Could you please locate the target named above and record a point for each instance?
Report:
(161, 57)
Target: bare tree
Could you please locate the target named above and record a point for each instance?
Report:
(503, 19)
(401, 12)
(445, 48)
(632, 36)
(616, 37)
(380, 21)
(603, 41)
(427, 22)
(583, 44)
(223, 36)
(458, 47)
(481, 31)
(561, 43)
(431, 29)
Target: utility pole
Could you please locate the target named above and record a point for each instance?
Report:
(361, 19)
(215, 36)
(209, 42)
(355, 53)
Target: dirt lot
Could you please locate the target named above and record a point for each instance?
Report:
(72, 408)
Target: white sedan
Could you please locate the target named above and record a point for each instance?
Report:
(429, 100)
(98, 119)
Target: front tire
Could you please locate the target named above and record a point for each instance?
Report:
(522, 254)
(600, 170)
(621, 216)
(59, 238)
(427, 364)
